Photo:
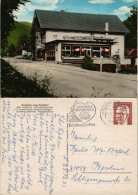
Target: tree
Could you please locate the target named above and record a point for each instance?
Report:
(7, 19)
(131, 23)
(11, 50)
(23, 39)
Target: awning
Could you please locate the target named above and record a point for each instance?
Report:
(106, 50)
(80, 49)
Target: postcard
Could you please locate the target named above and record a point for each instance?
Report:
(69, 97)
(68, 146)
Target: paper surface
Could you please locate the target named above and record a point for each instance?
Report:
(69, 146)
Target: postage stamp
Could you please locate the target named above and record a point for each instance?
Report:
(116, 113)
(81, 113)
(122, 113)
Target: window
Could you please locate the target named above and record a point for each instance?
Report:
(96, 52)
(77, 50)
(105, 51)
(66, 51)
(86, 51)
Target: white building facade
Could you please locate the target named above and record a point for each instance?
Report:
(64, 36)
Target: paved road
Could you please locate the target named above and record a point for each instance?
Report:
(71, 80)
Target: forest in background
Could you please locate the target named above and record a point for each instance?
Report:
(18, 37)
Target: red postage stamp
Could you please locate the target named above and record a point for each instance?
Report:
(122, 113)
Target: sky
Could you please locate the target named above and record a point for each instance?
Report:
(116, 7)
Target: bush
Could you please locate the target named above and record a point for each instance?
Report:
(14, 84)
(128, 71)
(88, 64)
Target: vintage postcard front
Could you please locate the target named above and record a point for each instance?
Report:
(69, 146)
(68, 97)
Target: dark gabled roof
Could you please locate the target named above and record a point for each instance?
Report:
(79, 21)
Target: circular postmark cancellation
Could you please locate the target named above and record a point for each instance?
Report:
(84, 111)
(116, 113)
(106, 113)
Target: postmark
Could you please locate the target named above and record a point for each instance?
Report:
(116, 113)
(81, 113)
(106, 113)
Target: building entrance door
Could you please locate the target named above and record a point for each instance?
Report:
(87, 51)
